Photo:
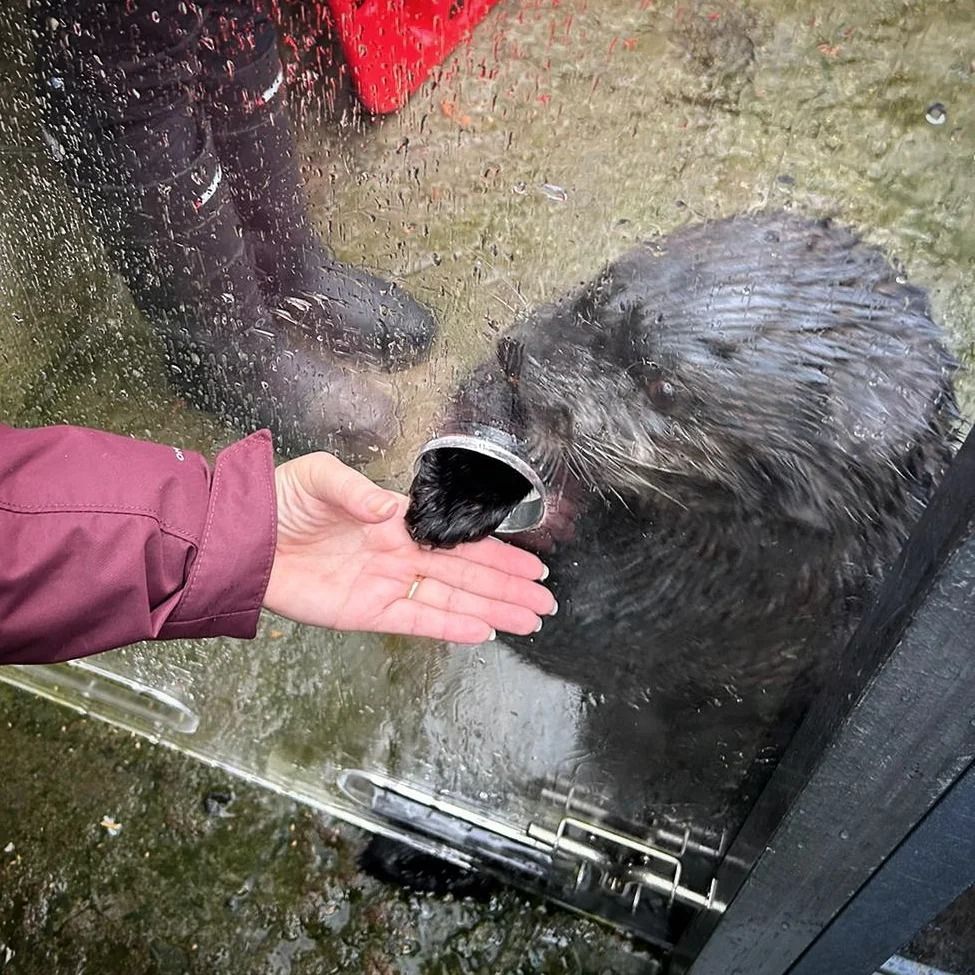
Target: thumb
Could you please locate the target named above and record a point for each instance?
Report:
(335, 484)
(379, 505)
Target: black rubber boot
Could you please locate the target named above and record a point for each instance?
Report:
(182, 252)
(358, 313)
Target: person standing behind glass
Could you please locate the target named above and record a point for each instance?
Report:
(169, 121)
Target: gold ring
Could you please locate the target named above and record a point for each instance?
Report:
(414, 586)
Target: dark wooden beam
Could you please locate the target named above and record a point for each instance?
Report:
(877, 751)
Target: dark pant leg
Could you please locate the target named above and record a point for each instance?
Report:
(117, 83)
(235, 35)
(243, 87)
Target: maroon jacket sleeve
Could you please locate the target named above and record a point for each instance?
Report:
(105, 541)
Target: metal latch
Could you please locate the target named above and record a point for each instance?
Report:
(622, 864)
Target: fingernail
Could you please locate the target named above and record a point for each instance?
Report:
(544, 574)
(494, 635)
(555, 608)
(538, 625)
(380, 505)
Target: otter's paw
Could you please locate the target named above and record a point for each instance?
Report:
(460, 496)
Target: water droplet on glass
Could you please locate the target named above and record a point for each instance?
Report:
(936, 114)
(554, 192)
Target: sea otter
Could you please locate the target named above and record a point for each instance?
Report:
(743, 420)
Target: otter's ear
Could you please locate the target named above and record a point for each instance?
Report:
(602, 303)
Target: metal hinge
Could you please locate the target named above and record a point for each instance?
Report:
(621, 864)
(601, 858)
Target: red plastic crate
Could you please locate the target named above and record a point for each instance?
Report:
(391, 46)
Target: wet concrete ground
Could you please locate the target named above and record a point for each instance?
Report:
(191, 883)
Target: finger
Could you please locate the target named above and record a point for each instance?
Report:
(413, 618)
(497, 614)
(333, 483)
(484, 580)
(500, 555)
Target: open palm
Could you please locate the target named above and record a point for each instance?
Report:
(345, 560)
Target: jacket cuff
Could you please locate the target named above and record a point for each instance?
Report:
(230, 573)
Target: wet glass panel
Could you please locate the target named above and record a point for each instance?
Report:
(729, 414)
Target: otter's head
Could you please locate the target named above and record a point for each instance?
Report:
(757, 366)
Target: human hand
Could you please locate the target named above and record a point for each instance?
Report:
(345, 560)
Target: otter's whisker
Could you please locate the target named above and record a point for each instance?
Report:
(501, 301)
(504, 279)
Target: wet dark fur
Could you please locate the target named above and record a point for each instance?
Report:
(748, 415)
(474, 494)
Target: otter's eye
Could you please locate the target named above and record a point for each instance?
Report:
(662, 393)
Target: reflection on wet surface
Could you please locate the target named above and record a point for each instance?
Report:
(562, 136)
